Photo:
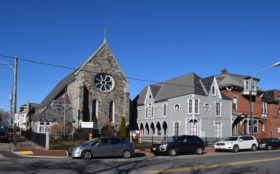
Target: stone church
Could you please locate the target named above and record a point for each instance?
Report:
(97, 91)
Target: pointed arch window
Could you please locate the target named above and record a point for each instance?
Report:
(95, 108)
(111, 112)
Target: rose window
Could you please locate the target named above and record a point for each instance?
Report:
(104, 82)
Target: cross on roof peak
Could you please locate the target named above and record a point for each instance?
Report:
(105, 30)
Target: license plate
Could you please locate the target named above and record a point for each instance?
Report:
(154, 148)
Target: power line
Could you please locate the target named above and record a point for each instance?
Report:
(71, 68)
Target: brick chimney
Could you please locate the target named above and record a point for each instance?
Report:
(224, 71)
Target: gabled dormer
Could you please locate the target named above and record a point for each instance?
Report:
(149, 96)
(250, 84)
(214, 89)
(149, 104)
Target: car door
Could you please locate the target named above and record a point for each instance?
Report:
(277, 143)
(188, 144)
(103, 147)
(249, 141)
(117, 146)
(241, 143)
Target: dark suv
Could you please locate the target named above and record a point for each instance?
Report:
(4, 135)
(179, 144)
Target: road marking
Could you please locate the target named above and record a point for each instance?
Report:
(27, 152)
(206, 167)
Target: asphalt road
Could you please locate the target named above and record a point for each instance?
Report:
(260, 162)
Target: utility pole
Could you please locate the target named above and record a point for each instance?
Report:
(15, 98)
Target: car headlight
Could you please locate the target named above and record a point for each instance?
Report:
(77, 148)
(163, 147)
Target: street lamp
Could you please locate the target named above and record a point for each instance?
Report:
(250, 93)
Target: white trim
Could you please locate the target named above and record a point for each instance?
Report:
(175, 107)
(215, 84)
(236, 102)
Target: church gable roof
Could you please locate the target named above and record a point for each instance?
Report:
(99, 54)
(58, 89)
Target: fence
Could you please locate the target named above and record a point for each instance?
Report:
(38, 138)
(58, 142)
(145, 142)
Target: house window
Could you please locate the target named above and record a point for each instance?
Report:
(213, 91)
(218, 109)
(150, 111)
(111, 112)
(176, 128)
(177, 107)
(218, 129)
(264, 109)
(196, 107)
(190, 107)
(255, 126)
(193, 106)
(263, 128)
(146, 112)
(234, 103)
(95, 108)
(254, 86)
(192, 127)
(164, 109)
(246, 85)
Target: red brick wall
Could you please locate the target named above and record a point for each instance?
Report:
(272, 122)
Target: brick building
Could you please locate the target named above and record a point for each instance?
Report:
(265, 105)
(271, 100)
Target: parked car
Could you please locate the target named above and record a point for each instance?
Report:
(269, 143)
(237, 143)
(103, 147)
(179, 144)
(4, 135)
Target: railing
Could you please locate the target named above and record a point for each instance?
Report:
(146, 142)
(58, 142)
(38, 138)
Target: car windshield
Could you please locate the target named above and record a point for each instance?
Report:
(231, 139)
(90, 142)
(170, 139)
(265, 140)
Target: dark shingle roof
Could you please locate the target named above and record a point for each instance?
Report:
(228, 79)
(58, 89)
(179, 86)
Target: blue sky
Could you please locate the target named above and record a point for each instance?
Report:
(152, 40)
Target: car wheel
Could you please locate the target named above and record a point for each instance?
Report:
(126, 154)
(198, 151)
(86, 155)
(254, 147)
(269, 147)
(235, 148)
(172, 152)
